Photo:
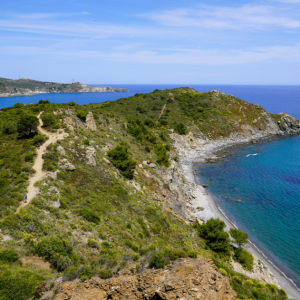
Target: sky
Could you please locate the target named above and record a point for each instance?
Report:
(151, 41)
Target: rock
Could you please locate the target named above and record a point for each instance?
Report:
(106, 160)
(189, 278)
(52, 175)
(152, 165)
(91, 156)
(200, 208)
(29, 227)
(64, 164)
(200, 222)
(90, 122)
(55, 204)
(239, 200)
(61, 150)
(205, 185)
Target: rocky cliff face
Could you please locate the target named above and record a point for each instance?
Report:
(188, 278)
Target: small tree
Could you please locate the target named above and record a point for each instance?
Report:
(214, 235)
(240, 237)
(27, 124)
(18, 105)
(121, 159)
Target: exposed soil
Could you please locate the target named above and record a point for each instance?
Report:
(38, 162)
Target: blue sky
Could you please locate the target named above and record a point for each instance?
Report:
(178, 41)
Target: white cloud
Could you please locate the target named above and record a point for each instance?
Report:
(187, 57)
(247, 16)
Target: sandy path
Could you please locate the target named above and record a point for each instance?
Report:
(38, 162)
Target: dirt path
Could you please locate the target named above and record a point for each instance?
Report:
(38, 162)
(162, 111)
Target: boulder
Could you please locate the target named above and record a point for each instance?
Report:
(64, 164)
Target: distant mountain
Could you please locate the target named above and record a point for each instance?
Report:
(28, 87)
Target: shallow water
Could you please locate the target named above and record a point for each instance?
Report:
(269, 186)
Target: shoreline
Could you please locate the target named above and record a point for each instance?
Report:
(212, 209)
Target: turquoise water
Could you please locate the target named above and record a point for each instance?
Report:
(269, 185)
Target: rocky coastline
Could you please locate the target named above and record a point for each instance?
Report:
(36, 87)
(198, 149)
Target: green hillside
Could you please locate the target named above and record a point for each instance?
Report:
(117, 213)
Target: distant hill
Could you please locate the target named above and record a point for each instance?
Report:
(27, 87)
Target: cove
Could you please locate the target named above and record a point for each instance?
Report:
(268, 184)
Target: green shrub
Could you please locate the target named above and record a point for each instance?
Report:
(149, 122)
(131, 245)
(92, 243)
(18, 286)
(90, 215)
(105, 274)
(9, 128)
(27, 124)
(162, 155)
(181, 129)
(81, 115)
(18, 105)
(239, 236)
(86, 142)
(8, 256)
(87, 273)
(157, 261)
(72, 103)
(48, 120)
(50, 247)
(39, 139)
(121, 159)
(29, 157)
(244, 258)
(223, 272)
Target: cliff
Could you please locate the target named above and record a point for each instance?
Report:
(114, 204)
(28, 87)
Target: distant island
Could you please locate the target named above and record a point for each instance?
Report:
(29, 87)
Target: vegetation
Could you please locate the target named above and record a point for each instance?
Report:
(27, 125)
(106, 222)
(121, 159)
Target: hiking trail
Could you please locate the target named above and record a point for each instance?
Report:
(38, 162)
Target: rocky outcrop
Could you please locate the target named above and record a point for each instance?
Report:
(90, 156)
(90, 122)
(65, 164)
(191, 278)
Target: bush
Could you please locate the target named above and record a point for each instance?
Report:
(157, 261)
(105, 274)
(149, 122)
(86, 142)
(87, 273)
(244, 258)
(131, 245)
(39, 139)
(90, 215)
(162, 155)
(163, 122)
(29, 157)
(18, 105)
(121, 159)
(72, 103)
(48, 120)
(8, 256)
(51, 247)
(181, 129)
(9, 128)
(81, 115)
(27, 124)
(223, 272)
(18, 286)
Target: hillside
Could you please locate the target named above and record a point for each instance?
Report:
(113, 200)
(27, 87)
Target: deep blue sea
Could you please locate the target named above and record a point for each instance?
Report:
(268, 183)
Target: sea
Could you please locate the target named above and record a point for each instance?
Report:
(267, 181)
